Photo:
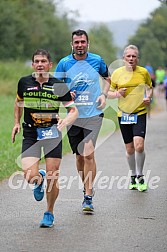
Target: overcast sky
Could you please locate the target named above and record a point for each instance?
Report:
(109, 10)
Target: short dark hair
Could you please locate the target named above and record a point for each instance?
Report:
(42, 52)
(80, 32)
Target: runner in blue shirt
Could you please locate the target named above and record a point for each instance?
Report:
(86, 75)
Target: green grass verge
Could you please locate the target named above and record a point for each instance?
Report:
(8, 151)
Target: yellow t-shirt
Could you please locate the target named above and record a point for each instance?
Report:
(136, 82)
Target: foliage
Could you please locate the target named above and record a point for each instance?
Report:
(101, 42)
(151, 38)
(155, 52)
(10, 73)
(26, 25)
(163, 1)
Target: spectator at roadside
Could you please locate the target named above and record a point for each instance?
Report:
(159, 78)
(165, 87)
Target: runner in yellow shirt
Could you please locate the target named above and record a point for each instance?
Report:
(132, 85)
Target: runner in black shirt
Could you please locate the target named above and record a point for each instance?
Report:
(40, 95)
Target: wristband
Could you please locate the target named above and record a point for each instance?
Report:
(104, 95)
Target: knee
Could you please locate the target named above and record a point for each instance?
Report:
(52, 176)
(139, 148)
(89, 158)
(31, 177)
(130, 150)
(79, 158)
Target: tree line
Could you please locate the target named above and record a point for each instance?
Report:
(26, 25)
(151, 38)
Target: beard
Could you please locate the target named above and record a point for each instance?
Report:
(80, 52)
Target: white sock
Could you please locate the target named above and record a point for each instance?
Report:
(140, 158)
(132, 163)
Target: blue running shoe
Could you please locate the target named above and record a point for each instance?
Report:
(48, 220)
(39, 189)
(87, 206)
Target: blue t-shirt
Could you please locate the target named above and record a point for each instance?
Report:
(165, 85)
(149, 69)
(83, 77)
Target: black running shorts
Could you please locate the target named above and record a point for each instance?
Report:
(85, 129)
(130, 130)
(52, 148)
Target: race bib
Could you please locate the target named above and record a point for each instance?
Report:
(47, 133)
(128, 118)
(83, 98)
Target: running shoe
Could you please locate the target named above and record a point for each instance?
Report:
(39, 189)
(48, 220)
(133, 185)
(141, 185)
(87, 205)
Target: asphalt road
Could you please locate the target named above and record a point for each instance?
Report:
(123, 221)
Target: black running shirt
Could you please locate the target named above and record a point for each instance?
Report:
(41, 104)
